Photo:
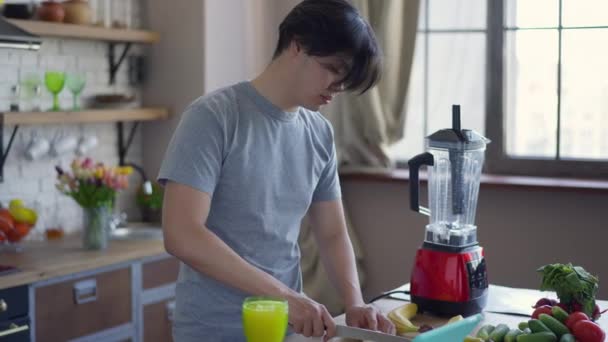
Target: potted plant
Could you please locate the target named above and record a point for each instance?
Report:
(150, 201)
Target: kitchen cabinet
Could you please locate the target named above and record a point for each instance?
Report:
(14, 318)
(83, 306)
(157, 321)
(62, 292)
(158, 298)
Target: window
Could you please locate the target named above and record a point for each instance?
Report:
(552, 74)
(449, 68)
(530, 75)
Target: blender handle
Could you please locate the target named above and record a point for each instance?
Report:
(414, 165)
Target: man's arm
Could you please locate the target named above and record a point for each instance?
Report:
(336, 250)
(186, 236)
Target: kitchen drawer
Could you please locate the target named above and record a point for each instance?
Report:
(13, 302)
(160, 272)
(83, 306)
(15, 330)
(157, 321)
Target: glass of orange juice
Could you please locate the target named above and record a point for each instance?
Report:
(265, 319)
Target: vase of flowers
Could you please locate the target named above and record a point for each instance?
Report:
(94, 187)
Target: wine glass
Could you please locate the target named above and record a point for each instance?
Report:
(54, 81)
(75, 82)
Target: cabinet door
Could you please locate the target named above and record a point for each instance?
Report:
(157, 321)
(83, 306)
(160, 272)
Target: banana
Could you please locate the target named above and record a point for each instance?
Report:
(401, 316)
(455, 319)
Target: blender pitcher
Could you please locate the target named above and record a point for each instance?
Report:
(455, 158)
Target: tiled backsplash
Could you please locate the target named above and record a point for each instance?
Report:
(34, 181)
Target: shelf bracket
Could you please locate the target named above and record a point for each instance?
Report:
(4, 154)
(123, 148)
(112, 62)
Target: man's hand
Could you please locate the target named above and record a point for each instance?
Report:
(310, 318)
(369, 317)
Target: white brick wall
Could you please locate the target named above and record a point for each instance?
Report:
(34, 181)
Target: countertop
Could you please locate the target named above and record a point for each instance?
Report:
(41, 260)
(385, 305)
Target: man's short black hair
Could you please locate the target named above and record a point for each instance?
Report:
(334, 27)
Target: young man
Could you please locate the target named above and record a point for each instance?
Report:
(244, 166)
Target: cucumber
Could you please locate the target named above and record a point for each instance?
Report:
(522, 325)
(485, 331)
(527, 331)
(537, 326)
(511, 336)
(498, 334)
(556, 326)
(472, 339)
(538, 337)
(559, 313)
(567, 338)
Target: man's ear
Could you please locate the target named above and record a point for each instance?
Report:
(295, 48)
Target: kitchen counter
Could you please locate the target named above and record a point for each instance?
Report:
(385, 305)
(41, 260)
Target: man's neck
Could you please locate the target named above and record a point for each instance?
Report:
(276, 86)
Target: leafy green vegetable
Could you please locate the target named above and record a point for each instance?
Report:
(572, 284)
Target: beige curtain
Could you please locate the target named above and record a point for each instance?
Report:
(365, 125)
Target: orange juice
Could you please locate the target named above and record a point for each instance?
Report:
(264, 319)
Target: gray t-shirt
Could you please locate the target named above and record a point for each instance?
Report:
(263, 167)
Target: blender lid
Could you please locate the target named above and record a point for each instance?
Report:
(457, 138)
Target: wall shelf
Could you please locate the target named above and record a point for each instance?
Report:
(86, 116)
(120, 116)
(88, 32)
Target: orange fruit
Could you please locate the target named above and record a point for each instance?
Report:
(6, 224)
(7, 215)
(20, 231)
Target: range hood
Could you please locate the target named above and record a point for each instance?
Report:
(13, 37)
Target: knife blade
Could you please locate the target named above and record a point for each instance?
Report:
(364, 334)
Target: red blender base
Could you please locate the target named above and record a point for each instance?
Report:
(449, 281)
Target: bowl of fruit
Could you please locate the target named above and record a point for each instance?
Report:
(16, 222)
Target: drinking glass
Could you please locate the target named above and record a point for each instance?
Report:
(265, 319)
(75, 83)
(54, 81)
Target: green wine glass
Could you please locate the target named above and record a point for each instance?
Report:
(54, 81)
(75, 83)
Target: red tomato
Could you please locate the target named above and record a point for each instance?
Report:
(575, 317)
(545, 309)
(587, 331)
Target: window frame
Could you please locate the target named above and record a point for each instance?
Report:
(497, 160)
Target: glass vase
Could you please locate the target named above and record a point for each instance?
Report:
(96, 227)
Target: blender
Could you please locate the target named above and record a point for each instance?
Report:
(449, 275)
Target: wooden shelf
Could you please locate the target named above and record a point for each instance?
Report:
(86, 116)
(60, 30)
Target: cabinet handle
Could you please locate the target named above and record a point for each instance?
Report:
(85, 291)
(13, 329)
(3, 306)
(170, 310)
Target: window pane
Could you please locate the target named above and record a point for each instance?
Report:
(457, 14)
(531, 93)
(456, 76)
(584, 94)
(535, 13)
(422, 15)
(413, 139)
(585, 12)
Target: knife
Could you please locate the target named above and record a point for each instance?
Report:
(456, 331)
